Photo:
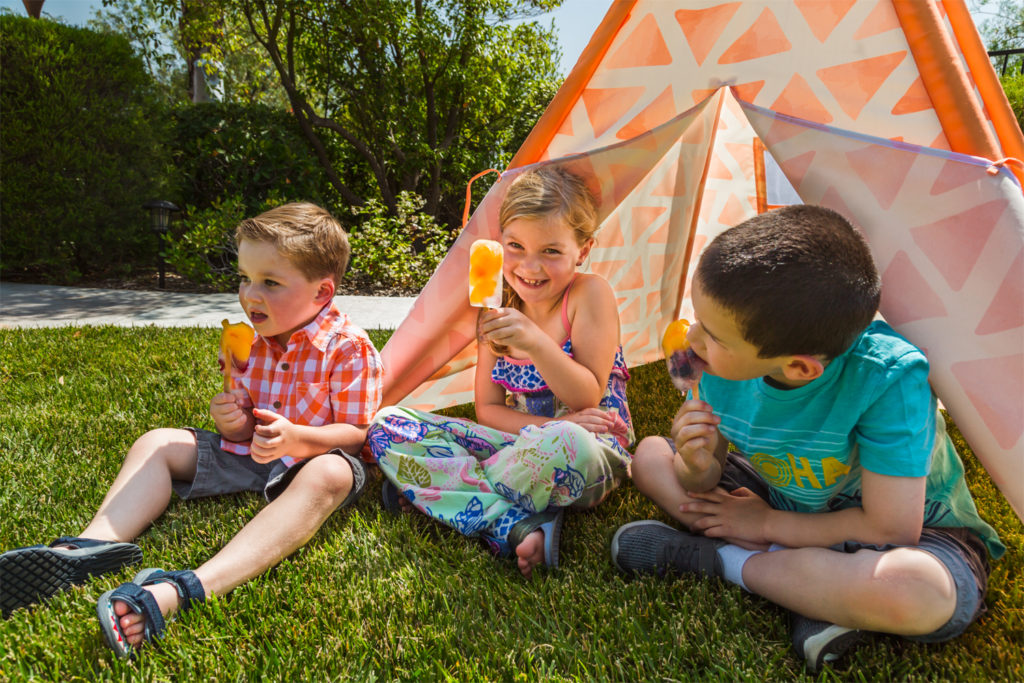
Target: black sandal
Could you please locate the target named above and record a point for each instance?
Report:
(34, 573)
(141, 601)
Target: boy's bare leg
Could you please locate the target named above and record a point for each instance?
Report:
(903, 591)
(142, 489)
(275, 532)
(653, 474)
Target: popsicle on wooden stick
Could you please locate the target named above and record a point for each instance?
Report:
(485, 280)
(235, 346)
(684, 366)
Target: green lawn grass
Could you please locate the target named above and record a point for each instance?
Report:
(376, 596)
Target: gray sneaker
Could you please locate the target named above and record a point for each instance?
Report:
(650, 547)
(820, 642)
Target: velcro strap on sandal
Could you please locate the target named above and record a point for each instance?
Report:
(141, 601)
(185, 582)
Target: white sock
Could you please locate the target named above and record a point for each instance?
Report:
(735, 557)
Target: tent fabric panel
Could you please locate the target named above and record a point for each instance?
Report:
(645, 189)
(947, 233)
(855, 79)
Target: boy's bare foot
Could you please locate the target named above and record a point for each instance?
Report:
(530, 552)
(133, 624)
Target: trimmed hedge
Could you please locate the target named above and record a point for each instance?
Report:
(225, 150)
(81, 141)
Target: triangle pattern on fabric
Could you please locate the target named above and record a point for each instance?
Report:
(883, 170)
(914, 100)
(797, 99)
(605, 106)
(855, 83)
(882, 19)
(703, 27)
(823, 15)
(645, 46)
(906, 295)
(956, 174)
(656, 113)
(764, 37)
(993, 386)
(953, 244)
(1006, 311)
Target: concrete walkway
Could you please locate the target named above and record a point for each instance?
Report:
(24, 305)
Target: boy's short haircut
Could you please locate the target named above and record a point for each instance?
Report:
(800, 280)
(308, 236)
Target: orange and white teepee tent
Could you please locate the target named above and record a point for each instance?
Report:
(679, 111)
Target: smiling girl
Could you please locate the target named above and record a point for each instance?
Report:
(550, 391)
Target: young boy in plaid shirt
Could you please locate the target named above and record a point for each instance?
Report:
(291, 427)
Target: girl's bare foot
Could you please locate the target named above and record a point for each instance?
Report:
(132, 624)
(530, 552)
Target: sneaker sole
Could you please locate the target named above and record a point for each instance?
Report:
(829, 645)
(28, 575)
(615, 541)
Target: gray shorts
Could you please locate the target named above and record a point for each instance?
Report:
(957, 548)
(219, 473)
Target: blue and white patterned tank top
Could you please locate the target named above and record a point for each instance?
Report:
(527, 392)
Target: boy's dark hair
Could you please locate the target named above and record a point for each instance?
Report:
(308, 236)
(800, 280)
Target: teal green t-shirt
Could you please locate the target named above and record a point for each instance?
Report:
(872, 408)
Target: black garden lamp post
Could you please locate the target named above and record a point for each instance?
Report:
(160, 211)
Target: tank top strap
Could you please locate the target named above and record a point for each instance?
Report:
(565, 308)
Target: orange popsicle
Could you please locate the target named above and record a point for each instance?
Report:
(235, 346)
(485, 281)
(684, 366)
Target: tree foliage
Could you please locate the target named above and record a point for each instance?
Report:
(416, 95)
(1002, 27)
(167, 34)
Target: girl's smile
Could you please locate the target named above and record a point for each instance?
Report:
(540, 258)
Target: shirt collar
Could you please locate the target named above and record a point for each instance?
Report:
(319, 330)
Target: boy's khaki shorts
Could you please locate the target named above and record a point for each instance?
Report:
(957, 548)
(219, 472)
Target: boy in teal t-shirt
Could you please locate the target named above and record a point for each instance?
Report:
(844, 500)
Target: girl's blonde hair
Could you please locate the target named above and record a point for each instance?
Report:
(545, 193)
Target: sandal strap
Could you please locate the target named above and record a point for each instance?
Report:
(142, 602)
(79, 542)
(526, 526)
(190, 590)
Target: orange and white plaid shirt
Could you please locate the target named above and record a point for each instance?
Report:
(329, 373)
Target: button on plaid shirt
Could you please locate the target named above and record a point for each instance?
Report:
(329, 373)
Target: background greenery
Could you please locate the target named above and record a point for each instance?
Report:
(382, 597)
(82, 140)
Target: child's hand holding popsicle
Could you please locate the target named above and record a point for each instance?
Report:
(486, 283)
(235, 346)
(694, 429)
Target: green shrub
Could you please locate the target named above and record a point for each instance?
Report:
(1013, 86)
(397, 252)
(203, 248)
(225, 150)
(81, 151)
